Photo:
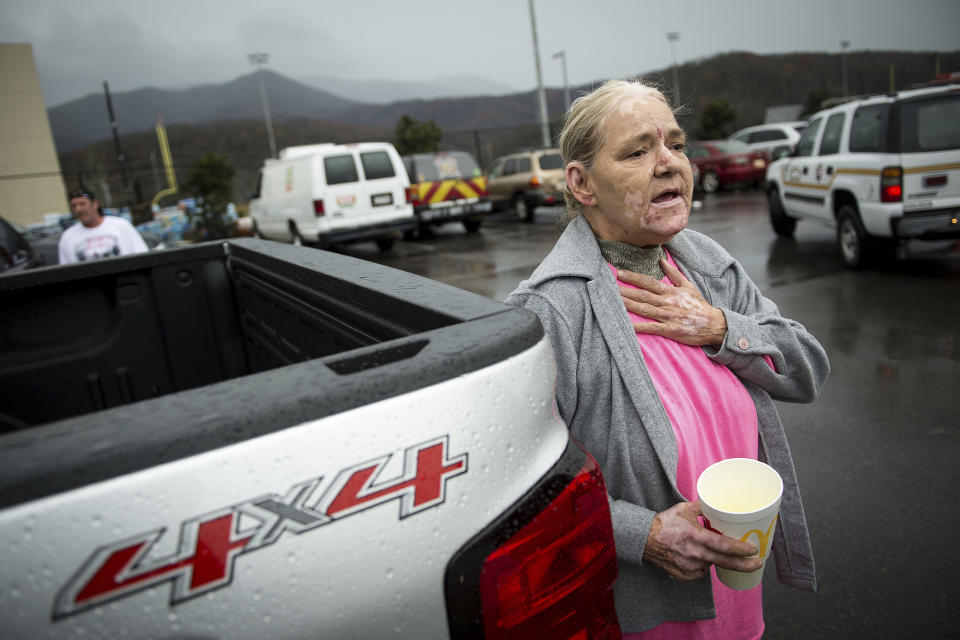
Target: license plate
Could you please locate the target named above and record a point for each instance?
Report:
(455, 211)
(381, 199)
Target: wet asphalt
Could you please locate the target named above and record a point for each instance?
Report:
(877, 454)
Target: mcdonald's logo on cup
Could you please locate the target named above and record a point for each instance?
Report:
(740, 498)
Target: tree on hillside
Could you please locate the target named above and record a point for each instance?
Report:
(211, 182)
(717, 121)
(413, 136)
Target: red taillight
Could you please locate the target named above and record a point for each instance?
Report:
(554, 578)
(413, 195)
(318, 208)
(891, 184)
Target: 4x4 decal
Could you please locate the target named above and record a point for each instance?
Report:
(210, 544)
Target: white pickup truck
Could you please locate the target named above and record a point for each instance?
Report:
(882, 170)
(246, 439)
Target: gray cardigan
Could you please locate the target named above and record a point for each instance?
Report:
(607, 398)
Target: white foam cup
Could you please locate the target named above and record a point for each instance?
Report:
(740, 498)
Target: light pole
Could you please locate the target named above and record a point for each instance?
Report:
(844, 44)
(562, 54)
(541, 97)
(673, 36)
(257, 60)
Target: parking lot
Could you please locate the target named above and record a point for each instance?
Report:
(876, 454)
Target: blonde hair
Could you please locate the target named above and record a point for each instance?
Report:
(582, 133)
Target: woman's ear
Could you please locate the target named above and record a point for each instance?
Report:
(579, 185)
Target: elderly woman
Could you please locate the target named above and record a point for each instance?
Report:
(668, 357)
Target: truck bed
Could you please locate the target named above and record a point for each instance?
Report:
(147, 359)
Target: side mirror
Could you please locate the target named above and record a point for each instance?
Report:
(781, 152)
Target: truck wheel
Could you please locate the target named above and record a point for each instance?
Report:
(853, 240)
(472, 226)
(521, 209)
(710, 183)
(384, 244)
(783, 225)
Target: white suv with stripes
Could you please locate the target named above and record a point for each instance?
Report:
(882, 170)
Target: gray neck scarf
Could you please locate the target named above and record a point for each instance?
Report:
(645, 260)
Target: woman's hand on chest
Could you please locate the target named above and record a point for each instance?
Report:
(677, 312)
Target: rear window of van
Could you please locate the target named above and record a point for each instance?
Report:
(376, 165)
(340, 169)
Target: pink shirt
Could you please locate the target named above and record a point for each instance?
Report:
(713, 418)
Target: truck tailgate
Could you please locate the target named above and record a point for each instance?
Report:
(341, 526)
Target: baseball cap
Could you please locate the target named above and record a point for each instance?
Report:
(81, 192)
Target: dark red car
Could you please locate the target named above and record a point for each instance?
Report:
(726, 162)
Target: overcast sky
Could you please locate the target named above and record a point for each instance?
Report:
(178, 43)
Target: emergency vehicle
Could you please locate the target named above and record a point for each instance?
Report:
(882, 170)
(447, 186)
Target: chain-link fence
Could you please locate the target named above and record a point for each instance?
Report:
(486, 145)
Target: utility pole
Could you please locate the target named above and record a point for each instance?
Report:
(121, 159)
(562, 54)
(673, 36)
(257, 60)
(541, 97)
(845, 44)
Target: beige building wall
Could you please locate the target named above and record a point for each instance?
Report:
(30, 180)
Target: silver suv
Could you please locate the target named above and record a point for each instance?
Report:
(882, 170)
(775, 139)
(526, 180)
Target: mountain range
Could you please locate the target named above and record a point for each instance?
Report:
(79, 122)
(383, 91)
(749, 82)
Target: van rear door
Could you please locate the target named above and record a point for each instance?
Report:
(385, 183)
(344, 200)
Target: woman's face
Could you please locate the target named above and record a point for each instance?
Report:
(641, 182)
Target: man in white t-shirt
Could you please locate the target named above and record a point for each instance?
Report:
(97, 236)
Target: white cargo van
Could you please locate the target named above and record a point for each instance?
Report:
(326, 193)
